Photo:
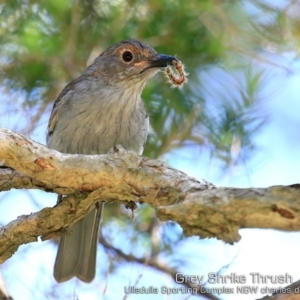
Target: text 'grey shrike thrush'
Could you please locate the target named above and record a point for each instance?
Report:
(98, 110)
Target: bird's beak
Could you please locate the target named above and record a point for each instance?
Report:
(160, 61)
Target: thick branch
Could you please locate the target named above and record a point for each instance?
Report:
(200, 208)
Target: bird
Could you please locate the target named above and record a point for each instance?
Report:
(95, 112)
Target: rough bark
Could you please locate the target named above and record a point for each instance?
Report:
(199, 207)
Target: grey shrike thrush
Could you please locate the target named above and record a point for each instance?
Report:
(98, 110)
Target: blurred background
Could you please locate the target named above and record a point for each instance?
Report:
(236, 123)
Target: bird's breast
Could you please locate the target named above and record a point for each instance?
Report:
(94, 127)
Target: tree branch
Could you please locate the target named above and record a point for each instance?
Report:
(199, 207)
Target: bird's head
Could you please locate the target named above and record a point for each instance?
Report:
(129, 63)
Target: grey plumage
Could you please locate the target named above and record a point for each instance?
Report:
(95, 112)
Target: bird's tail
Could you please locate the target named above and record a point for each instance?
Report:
(77, 252)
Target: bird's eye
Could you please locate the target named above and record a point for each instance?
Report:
(127, 56)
